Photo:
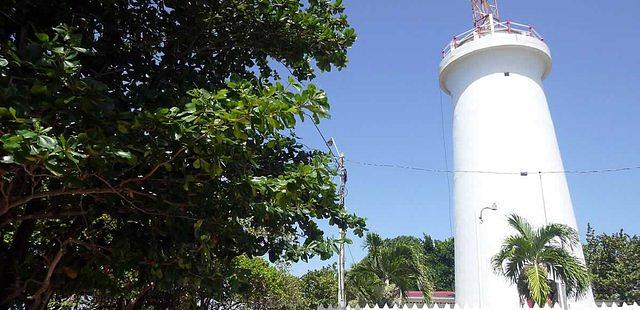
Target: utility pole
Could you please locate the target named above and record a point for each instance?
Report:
(342, 300)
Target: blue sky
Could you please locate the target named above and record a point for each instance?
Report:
(386, 109)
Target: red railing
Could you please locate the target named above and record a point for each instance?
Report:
(491, 26)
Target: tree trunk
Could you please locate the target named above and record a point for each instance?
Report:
(139, 301)
(10, 282)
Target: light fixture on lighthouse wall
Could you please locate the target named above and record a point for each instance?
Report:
(493, 207)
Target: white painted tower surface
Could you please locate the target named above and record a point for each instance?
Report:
(501, 127)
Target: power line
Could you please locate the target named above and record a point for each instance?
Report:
(447, 170)
(620, 169)
(353, 262)
(523, 173)
(324, 139)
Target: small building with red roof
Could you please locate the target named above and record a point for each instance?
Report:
(437, 297)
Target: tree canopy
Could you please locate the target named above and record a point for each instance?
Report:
(262, 286)
(614, 263)
(441, 259)
(320, 287)
(147, 144)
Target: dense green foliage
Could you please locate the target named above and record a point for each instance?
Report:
(441, 261)
(320, 287)
(262, 286)
(527, 258)
(390, 268)
(147, 144)
(614, 263)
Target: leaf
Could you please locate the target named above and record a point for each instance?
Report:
(349, 32)
(47, 142)
(10, 142)
(189, 118)
(27, 134)
(43, 37)
(80, 49)
(191, 106)
(38, 89)
(53, 167)
(239, 133)
(69, 65)
(3, 62)
(294, 83)
(538, 284)
(221, 94)
(198, 224)
(125, 154)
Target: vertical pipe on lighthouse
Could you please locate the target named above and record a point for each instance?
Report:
(501, 126)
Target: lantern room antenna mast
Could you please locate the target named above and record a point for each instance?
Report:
(483, 10)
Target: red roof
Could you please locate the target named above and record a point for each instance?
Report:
(414, 294)
(435, 294)
(443, 294)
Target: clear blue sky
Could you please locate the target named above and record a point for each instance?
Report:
(386, 109)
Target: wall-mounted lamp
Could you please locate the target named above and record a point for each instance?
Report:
(493, 207)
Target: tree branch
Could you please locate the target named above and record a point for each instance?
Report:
(37, 296)
(54, 193)
(155, 168)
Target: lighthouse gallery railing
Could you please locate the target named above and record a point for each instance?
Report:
(491, 26)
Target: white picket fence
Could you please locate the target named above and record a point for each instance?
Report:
(599, 306)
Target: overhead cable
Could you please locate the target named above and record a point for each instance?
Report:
(433, 170)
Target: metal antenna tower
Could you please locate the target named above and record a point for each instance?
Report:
(482, 9)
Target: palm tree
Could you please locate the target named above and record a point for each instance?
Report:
(528, 258)
(390, 269)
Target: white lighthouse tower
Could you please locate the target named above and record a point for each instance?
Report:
(503, 136)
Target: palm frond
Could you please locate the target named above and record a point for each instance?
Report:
(566, 235)
(372, 241)
(513, 255)
(521, 225)
(573, 273)
(538, 285)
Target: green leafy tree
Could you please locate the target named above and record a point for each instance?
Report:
(146, 145)
(320, 287)
(262, 286)
(527, 259)
(390, 268)
(614, 262)
(441, 262)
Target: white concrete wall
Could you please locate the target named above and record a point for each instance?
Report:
(500, 124)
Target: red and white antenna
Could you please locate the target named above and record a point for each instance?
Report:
(482, 9)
